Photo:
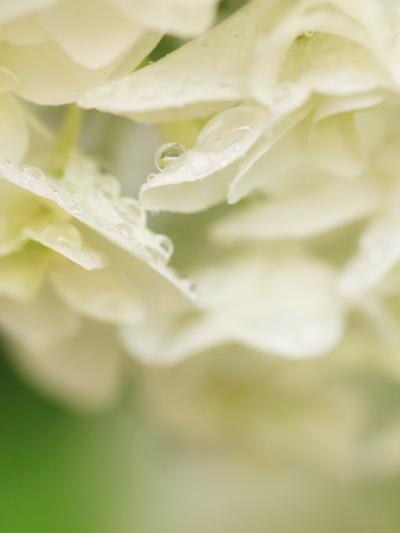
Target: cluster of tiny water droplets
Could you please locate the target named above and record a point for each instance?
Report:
(94, 200)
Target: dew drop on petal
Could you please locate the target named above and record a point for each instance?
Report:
(168, 153)
(63, 235)
(124, 229)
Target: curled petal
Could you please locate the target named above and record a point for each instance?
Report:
(200, 177)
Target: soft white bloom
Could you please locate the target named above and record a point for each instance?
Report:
(291, 106)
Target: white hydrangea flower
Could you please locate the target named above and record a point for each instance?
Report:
(288, 106)
(304, 104)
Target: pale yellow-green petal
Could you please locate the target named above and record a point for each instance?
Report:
(93, 33)
(13, 129)
(322, 208)
(200, 177)
(180, 17)
(198, 79)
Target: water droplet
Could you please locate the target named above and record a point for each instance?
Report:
(62, 235)
(167, 154)
(124, 229)
(129, 209)
(165, 244)
(31, 173)
(76, 210)
(307, 33)
(37, 173)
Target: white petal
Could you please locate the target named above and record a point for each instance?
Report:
(83, 371)
(196, 80)
(180, 17)
(301, 215)
(287, 306)
(18, 210)
(378, 253)
(200, 177)
(13, 129)
(46, 75)
(94, 200)
(24, 31)
(40, 324)
(22, 273)
(16, 8)
(333, 61)
(100, 37)
(335, 146)
(65, 239)
(277, 152)
(169, 340)
(99, 294)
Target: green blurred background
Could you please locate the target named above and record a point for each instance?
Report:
(123, 472)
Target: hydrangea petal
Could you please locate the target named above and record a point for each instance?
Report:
(22, 273)
(48, 76)
(31, 323)
(170, 339)
(97, 294)
(18, 8)
(13, 129)
(101, 37)
(196, 80)
(381, 20)
(302, 215)
(286, 306)
(200, 177)
(378, 253)
(277, 151)
(180, 17)
(17, 211)
(24, 31)
(332, 60)
(66, 240)
(335, 146)
(83, 371)
(24, 218)
(94, 200)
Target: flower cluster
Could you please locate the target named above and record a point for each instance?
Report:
(303, 104)
(278, 178)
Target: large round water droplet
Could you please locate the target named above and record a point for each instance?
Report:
(167, 154)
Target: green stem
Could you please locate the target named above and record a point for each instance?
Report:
(67, 138)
